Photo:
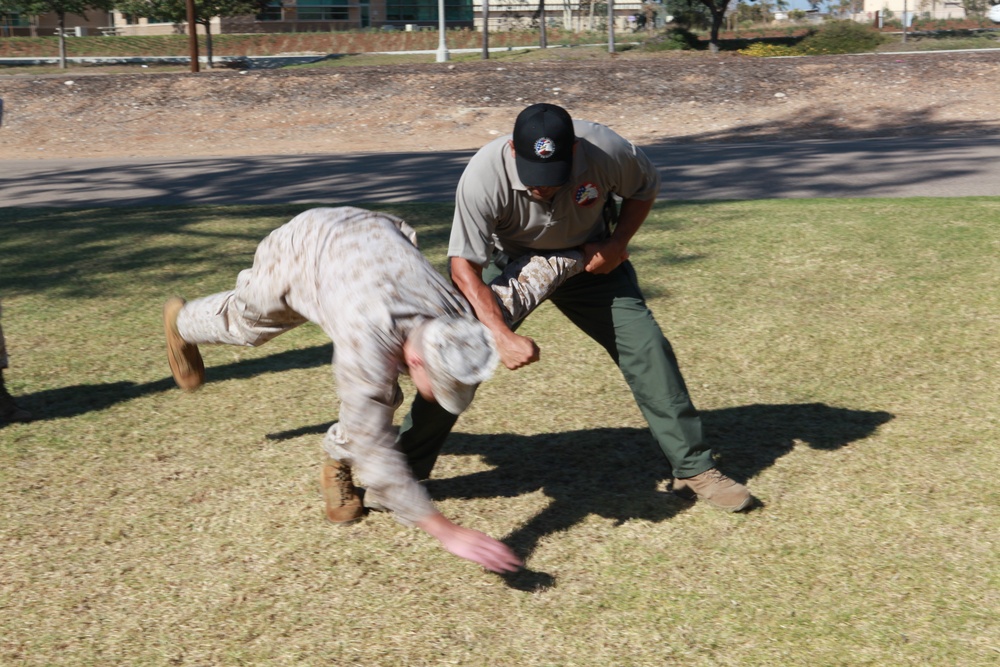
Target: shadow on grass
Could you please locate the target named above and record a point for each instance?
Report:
(81, 253)
(616, 473)
(75, 400)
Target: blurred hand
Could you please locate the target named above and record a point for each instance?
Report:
(472, 545)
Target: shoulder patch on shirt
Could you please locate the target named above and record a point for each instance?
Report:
(586, 194)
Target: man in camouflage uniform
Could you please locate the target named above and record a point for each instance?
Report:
(360, 277)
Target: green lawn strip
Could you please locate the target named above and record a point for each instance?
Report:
(348, 42)
(269, 44)
(842, 353)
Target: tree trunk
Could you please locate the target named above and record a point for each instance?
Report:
(717, 18)
(208, 42)
(543, 42)
(192, 30)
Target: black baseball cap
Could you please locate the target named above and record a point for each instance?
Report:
(543, 145)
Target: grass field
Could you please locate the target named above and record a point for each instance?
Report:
(843, 353)
(361, 48)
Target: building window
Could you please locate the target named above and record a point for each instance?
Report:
(322, 10)
(427, 10)
(271, 12)
(14, 20)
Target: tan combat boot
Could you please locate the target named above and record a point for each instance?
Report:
(185, 360)
(343, 504)
(716, 489)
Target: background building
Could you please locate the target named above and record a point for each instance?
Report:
(330, 15)
(895, 10)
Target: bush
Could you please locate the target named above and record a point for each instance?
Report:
(841, 37)
(764, 50)
(672, 39)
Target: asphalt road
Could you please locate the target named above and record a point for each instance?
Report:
(927, 167)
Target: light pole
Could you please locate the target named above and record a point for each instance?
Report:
(442, 53)
(905, 16)
(611, 26)
(486, 29)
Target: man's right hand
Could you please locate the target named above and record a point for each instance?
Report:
(516, 350)
(472, 545)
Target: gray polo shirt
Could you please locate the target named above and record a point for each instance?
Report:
(493, 208)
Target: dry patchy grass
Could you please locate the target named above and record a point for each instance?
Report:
(842, 352)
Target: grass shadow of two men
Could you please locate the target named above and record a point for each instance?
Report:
(609, 472)
(616, 472)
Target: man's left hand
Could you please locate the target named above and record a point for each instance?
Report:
(603, 257)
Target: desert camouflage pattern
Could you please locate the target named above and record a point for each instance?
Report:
(359, 276)
(529, 280)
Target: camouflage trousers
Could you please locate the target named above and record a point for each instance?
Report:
(528, 281)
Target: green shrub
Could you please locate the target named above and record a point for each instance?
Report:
(764, 50)
(841, 37)
(672, 39)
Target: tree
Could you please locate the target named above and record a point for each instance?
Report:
(204, 10)
(717, 10)
(693, 13)
(58, 7)
(977, 8)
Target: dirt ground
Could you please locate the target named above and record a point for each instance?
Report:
(443, 106)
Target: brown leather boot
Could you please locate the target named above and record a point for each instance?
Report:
(343, 504)
(10, 411)
(716, 489)
(185, 360)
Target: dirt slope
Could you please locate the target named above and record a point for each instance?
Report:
(680, 98)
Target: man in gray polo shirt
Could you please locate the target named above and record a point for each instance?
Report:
(542, 190)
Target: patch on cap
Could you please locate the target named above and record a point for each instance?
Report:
(545, 148)
(543, 141)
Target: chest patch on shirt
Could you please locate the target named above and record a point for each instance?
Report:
(586, 194)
